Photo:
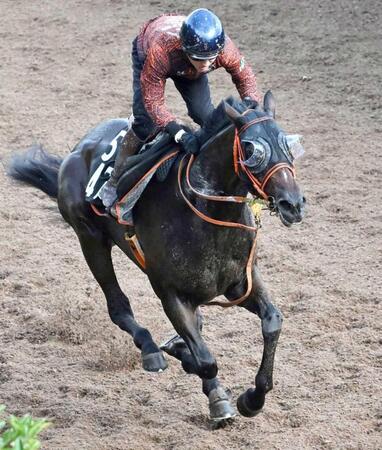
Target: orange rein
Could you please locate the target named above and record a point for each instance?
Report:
(238, 157)
(209, 197)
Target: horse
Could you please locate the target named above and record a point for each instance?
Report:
(197, 232)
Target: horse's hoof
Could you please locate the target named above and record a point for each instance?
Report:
(243, 406)
(220, 405)
(174, 346)
(218, 424)
(154, 362)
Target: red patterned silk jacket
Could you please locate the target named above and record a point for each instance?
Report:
(158, 44)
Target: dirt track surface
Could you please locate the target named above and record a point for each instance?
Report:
(63, 69)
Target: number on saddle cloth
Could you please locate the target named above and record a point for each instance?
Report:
(102, 165)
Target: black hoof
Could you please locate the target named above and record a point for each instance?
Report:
(174, 347)
(154, 362)
(245, 407)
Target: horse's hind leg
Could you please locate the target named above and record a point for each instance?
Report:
(191, 350)
(251, 402)
(96, 248)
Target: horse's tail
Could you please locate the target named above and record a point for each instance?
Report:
(36, 167)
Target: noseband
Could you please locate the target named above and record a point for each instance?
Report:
(239, 158)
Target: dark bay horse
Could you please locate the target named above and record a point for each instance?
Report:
(197, 233)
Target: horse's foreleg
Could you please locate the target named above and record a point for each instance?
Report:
(251, 402)
(219, 400)
(190, 348)
(175, 346)
(97, 251)
(183, 317)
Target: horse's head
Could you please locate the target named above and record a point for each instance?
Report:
(264, 158)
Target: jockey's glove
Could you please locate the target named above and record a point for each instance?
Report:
(250, 102)
(183, 136)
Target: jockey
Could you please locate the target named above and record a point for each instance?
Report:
(184, 49)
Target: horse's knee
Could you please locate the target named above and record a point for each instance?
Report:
(205, 367)
(272, 321)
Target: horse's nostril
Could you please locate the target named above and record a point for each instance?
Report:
(290, 208)
(285, 205)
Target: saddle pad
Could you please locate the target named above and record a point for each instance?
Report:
(123, 210)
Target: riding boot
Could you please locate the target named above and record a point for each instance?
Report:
(130, 145)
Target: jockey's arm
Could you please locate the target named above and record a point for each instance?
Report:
(153, 82)
(241, 72)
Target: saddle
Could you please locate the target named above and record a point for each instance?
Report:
(154, 158)
(148, 156)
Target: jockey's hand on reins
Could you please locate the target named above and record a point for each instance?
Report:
(189, 143)
(187, 140)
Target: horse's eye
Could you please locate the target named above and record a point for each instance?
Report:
(255, 152)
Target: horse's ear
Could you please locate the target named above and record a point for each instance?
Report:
(234, 115)
(270, 104)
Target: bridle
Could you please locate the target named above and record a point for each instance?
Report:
(239, 158)
(240, 169)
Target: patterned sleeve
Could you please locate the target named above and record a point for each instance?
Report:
(153, 81)
(242, 75)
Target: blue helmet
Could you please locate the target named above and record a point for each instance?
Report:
(202, 35)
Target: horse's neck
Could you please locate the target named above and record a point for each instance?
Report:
(213, 171)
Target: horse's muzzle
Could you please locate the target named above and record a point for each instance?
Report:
(290, 210)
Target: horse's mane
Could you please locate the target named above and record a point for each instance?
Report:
(218, 118)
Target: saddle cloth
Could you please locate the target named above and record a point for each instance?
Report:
(154, 158)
